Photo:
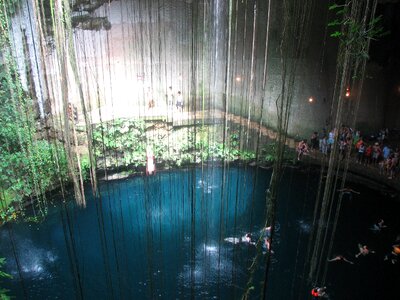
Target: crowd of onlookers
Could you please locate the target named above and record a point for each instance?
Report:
(370, 150)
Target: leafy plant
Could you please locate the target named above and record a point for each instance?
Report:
(355, 32)
(268, 153)
(3, 292)
(28, 166)
(85, 167)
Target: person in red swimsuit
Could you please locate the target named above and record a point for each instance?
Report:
(319, 292)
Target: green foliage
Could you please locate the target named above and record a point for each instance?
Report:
(3, 292)
(16, 173)
(85, 167)
(3, 274)
(121, 137)
(268, 153)
(229, 151)
(355, 32)
(124, 142)
(12, 6)
(28, 167)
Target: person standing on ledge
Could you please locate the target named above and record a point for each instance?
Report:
(170, 98)
(150, 99)
(150, 164)
(179, 102)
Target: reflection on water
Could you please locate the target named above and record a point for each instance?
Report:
(163, 237)
(147, 237)
(206, 186)
(35, 262)
(304, 226)
(213, 264)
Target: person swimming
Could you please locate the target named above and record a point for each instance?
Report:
(267, 245)
(247, 239)
(363, 250)
(244, 239)
(378, 226)
(319, 292)
(348, 191)
(266, 231)
(396, 249)
(340, 258)
(393, 257)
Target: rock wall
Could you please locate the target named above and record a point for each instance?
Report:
(128, 51)
(314, 78)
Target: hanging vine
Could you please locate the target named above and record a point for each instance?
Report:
(358, 26)
(294, 28)
(62, 37)
(27, 169)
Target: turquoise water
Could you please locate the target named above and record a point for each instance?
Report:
(162, 237)
(147, 237)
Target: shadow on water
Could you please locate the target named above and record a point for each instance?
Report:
(163, 237)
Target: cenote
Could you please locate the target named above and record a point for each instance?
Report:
(162, 236)
(158, 149)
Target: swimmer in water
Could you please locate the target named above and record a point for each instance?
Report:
(394, 255)
(377, 227)
(247, 239)
(266, 231)
(244, 239)
(267, 245)
(319, 292)
(381, 224)
(396, 249)
(348, 191)
(340, 258)
(363, 250)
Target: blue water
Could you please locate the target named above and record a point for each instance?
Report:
(163, 237)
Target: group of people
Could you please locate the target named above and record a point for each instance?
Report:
(364, 250)
(265, 234)
(374, 150)
(380, 155)
(173, 100)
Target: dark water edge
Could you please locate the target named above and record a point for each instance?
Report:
(162, 237)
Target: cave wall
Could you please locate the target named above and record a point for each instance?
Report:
(214, 57)
(315, 77)
(371, 114)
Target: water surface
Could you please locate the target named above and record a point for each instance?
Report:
(163, 237)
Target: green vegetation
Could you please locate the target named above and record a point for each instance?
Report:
(28, 166)
(355, 32)
(124, 143)
(87, 22)
(3, 292)
(268, 154)
(121, 142)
